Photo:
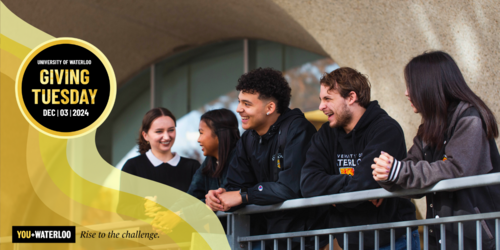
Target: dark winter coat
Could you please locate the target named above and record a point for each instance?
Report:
(256, 162)
(201, 183)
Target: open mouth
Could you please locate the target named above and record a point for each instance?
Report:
(329, 115)
(166, 143)
(244, 118)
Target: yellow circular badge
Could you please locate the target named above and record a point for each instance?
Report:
(65, 87)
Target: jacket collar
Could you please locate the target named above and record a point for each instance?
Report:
(372, 112)
(461, 107)
(275, 127)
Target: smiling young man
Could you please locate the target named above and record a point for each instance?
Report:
(269, 155)
(341, 153)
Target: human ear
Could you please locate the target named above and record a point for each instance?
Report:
(270, 108)
(352, 98)
(145, 136)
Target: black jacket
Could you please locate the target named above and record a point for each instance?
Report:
(255, 170)
(468, 152)
(253, 166)
(338, 163)
(201, 183)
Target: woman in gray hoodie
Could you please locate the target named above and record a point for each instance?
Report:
(455, 139)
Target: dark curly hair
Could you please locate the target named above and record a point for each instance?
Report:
(269, 84)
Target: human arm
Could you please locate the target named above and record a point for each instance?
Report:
(287, 185)
(128, 204)
(319, 175)
(150, 206)
(467, 153)
(198, 187)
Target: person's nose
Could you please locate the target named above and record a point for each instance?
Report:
(239, 108)
(322, 105)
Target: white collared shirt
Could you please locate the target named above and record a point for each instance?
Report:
(157, 162)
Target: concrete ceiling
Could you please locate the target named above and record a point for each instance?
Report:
(135, 34)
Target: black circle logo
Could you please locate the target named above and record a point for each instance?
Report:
(66, 88)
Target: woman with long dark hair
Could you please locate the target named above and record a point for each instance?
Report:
(455, 139)
(218, 136)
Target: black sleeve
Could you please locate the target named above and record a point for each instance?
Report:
(195, 165)
(316, 181)
(127, 208)
(198, 184)
(231, 158)
(240, 173)
(288, 184)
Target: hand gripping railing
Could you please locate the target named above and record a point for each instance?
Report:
(239, 227)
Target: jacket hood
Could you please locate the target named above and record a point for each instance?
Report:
(373, 112)
(275, 127)
(457, 111)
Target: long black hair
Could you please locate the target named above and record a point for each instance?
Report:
(224, 125)
(433, 81)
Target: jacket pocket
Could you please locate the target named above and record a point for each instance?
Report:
(484, 225)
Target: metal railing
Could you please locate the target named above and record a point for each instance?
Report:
(238, 228)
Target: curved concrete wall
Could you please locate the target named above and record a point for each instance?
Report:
(376, 37)
(134, 34)
(379, 37)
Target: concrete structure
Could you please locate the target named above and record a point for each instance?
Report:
(380, 37)
(376, 37)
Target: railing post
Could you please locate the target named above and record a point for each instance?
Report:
(239, 226)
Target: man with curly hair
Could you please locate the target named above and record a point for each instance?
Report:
(269, 155)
